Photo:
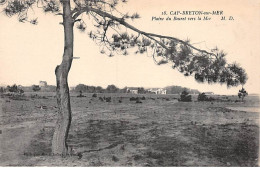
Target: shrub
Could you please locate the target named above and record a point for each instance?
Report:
(108, 99)
(101, 99)
(94, 95)
(139, 101)
(20, 91)
(12, 88)
(36, 88)
(134, 98)
(203, 97)
(185, 97)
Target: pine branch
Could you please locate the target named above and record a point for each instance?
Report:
(150, 35)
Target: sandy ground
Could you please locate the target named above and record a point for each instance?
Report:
(160, 131)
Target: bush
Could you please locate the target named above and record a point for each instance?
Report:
(134, 98)
(185, 97)
(36, 88)
(94, 95)
(12, 88)
(138, 101)
(108, 99)
(203, 97)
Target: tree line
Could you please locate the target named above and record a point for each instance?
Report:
(21, 89)
(109, 89)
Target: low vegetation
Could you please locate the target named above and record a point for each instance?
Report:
(185, 97)
(204, 97)
(148, 130)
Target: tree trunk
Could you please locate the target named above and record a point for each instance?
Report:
(59, 145)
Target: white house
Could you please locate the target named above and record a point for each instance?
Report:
(209, 93)
(157, 91)
(133, 90)
(42, 83)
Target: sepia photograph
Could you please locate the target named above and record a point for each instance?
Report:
(127, 83)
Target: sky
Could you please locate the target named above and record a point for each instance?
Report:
(29, 53)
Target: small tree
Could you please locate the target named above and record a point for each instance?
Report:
(12, 88)
(242, 94)
(36, 88)
(185, 97)
(112, 89)
(81, 87)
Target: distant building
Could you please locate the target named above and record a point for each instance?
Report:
(209, 93)
(157, 91)
(161, 91)
(133, 90)
(42, 83)
(72, 88)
